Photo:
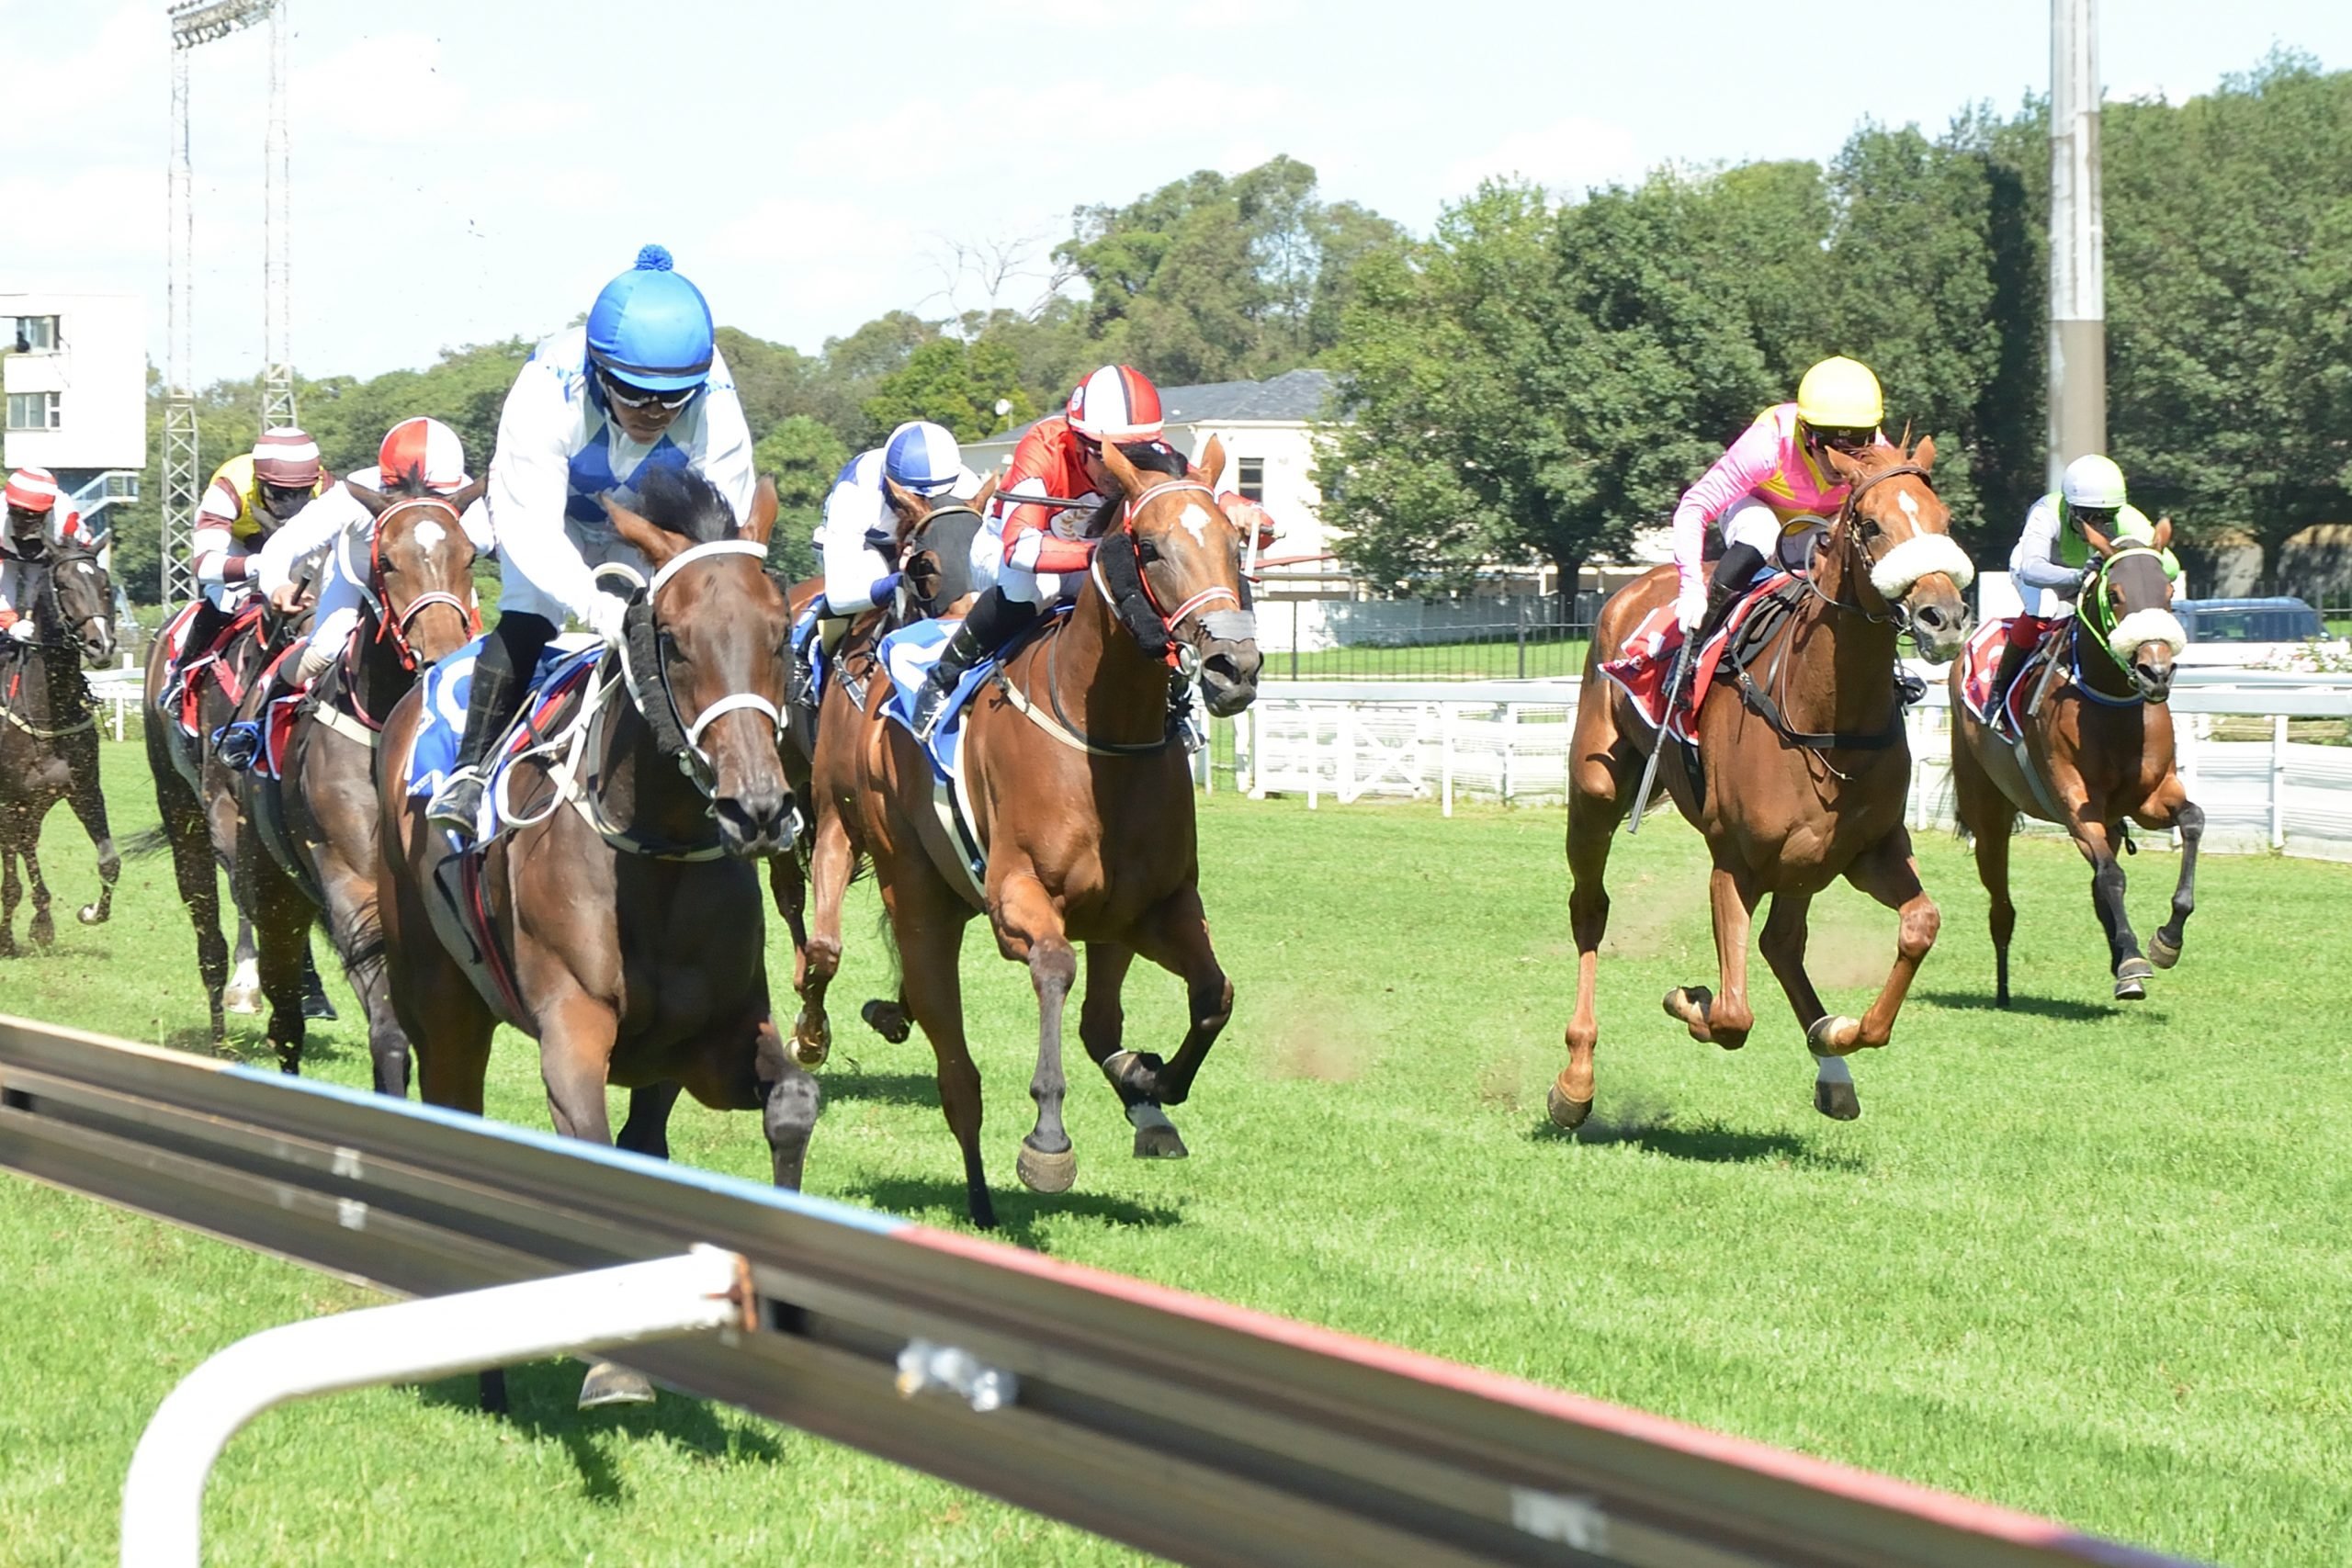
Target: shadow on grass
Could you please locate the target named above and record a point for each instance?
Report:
(543, 1403)
(883, 1088)
(1710, 1143)
(1019, 1212)
(2065, 1007)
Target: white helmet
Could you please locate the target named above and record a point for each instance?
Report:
(2093, 482)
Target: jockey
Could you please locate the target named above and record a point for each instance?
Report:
(858, 539)
(332, 536)
(641, 385)
(1030, 550)
(2053, 559)
(1772, 492)
(252, 496)
(38, 518)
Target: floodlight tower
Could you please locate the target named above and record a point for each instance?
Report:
(2078, 236)
(195, 23)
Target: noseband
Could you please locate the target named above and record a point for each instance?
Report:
(1236, 624)
(672, 733)
(394, 628)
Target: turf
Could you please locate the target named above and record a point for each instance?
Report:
(2079, 1258)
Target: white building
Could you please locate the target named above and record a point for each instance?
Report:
(76, 384)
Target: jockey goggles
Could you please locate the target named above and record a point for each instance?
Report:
(632, 398)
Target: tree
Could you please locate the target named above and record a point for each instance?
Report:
(804, 455)
(955, 384)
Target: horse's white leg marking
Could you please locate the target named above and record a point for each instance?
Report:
(1832, 1069)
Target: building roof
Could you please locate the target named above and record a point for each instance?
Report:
(1294, 396)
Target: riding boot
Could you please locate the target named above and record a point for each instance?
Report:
(2014, 655)
(800, 685)
(992, 621)
(205, 629)
(492, 701)
(1733, 574)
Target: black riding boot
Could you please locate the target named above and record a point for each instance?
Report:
(800, 685)
(994, 621)
(1739, 565)
(510, 655)
(205, 629)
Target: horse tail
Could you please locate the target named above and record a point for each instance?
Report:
(144, 843)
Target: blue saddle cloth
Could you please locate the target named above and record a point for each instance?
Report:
(446, 688)
(908, 655)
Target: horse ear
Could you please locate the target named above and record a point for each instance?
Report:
(469, 495)
(1904, 444)
(986, 493)
(761, 522)
(2161, 537)
(906, 505)
(1123, 471)
(2099, 541)
(656, 545)
(1212, 461)
(1846, 468)
(1924, 455)
(376, 501)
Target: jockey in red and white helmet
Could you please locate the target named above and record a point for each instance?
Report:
(1031, 550)
(40, 518)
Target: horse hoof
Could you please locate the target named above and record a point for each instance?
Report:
(2162, 954)
(317, 1008)
(1835, 1101)
(1834, 1035)
(1042, 1172)
(608, 1384)
(43, 933)
(1565, 1113)
(1687, 1006)
(887, 1019)
(91, 915)
(811, 1042)
(1156, 1135)
(240, 1001)
(2130, 991)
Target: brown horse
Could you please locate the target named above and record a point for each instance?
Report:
(49, 745)
(1805, 770)
(312, 843)
(1081, 800)
(2097, 750)
(627, 926)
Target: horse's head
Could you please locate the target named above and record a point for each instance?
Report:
(1187, 559)
(1897, 532)
(2128, 602)
(84, 594)
(720, 636)
(932, 540)
(420, 568)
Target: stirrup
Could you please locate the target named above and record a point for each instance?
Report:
(931, 706)
(237, 746)
(456, 805)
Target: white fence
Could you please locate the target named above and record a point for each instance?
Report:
(1508, 740)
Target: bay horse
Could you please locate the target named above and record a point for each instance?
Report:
(626, 925)
(311, 847)
(49, 745)
(2100, 748)
(1805, 772)
(1082, 800)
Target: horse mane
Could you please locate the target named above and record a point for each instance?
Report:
(683, 501)
(407, 485)
(1152, 457)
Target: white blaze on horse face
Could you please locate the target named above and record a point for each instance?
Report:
(1910, 507)
(430, 535)
(1195, 522)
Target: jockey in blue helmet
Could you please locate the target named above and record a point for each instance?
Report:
(640, 386)
(857, 541)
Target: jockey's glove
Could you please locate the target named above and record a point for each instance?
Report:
(22, 630)
(606, 618)
(1691, 607)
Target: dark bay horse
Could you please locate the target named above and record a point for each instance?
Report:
(626, 908)
(49, 743)
(1082, 801)
(1806, 770)
(311, 843)
(2099, 745)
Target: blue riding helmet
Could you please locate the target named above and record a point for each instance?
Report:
(923, 457)
(651, 328)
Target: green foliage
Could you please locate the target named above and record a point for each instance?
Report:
(804, 455)
(955, 384)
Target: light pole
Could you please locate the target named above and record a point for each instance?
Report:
(2077, 273)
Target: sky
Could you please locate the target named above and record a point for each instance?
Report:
(468, 170)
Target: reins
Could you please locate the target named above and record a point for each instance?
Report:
(373, 590)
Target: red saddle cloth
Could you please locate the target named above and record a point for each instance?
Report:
(183, 696)
(1646, 662)
(1980, 661)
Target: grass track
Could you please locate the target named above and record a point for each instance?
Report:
(2078, 1259)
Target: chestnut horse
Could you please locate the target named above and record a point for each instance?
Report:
(2099, 744)
(416, 607)
(629, 925)
(1081, 798)
(1806, 770)
(49, 745)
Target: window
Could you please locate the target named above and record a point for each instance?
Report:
(1249, 475)
(33, 410)
(35, 334)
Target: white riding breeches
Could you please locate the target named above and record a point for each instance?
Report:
(1785, 545)
(517, 595)
(1042, 589)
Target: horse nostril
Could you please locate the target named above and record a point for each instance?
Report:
(1930, 617)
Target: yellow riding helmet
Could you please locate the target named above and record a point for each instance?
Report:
(1840, 394)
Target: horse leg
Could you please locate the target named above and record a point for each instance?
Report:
(2176, 810)
(831, 858)
(1782, 942)
(1177, 938)
(646, 1129)
(42, 927)
(1133, 1075)
(244, 992)
(1989, 819)
(2131, 970)
(89, 806)
(930, 939)
(196, 872)
(575, 1055)
(1596, 804)
(1723, 1018)
(790, 1098)
(1029, 930)
(281, 916)
(12, 893)
(1887, 872)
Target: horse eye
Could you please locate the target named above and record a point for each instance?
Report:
(1146, 550)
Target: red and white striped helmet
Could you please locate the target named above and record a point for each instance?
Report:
(32, 489)
(1117, 404)
(286, 458)
(425, 446)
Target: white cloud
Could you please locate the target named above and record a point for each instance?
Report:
(1564, 157)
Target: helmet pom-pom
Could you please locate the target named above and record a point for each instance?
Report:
(653, 258)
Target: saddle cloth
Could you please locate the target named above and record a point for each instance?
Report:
(563, 669)
(182, 696)
(1980, 663)
(1646, 662)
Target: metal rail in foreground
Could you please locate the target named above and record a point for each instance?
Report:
(1185, 1427)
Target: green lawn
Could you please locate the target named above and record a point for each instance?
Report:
(2079, 1259)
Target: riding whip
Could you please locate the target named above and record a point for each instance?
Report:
(1657, 743)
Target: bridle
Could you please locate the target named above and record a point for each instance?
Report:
(1233, 626)
(645, 644)
(390, 627)
(2092, 613)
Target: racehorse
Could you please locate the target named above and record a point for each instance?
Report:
(2097, 750)
(1082, 800)
(49, 748)
(313, 846)
(624, 929)
(1802, 778)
